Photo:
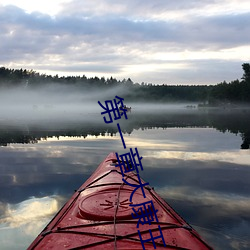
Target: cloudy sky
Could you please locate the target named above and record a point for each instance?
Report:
(157, 41)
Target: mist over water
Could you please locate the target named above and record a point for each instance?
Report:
(61, 102)
(55, 102)
(57, 109)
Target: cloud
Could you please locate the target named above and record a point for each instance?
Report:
(95, 38)
(122, 30)
(144, 10)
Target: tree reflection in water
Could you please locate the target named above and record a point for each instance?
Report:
(233, 121)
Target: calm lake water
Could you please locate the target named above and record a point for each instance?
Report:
(197, 160)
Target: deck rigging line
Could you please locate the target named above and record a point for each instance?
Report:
(115, 237)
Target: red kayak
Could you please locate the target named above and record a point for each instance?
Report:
(106, 212)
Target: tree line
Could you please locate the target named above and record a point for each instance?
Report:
(236, 91)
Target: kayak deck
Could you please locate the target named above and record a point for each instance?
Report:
(99, 215)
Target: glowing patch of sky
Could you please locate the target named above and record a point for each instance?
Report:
(45, 6)
(223, 54)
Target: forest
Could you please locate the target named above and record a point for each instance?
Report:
(224, 93)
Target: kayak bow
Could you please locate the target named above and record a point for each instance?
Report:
(99, 215)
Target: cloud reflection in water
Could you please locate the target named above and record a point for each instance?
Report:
(25, 220)
(198, 171)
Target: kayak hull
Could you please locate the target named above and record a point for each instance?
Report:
(99, 215)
